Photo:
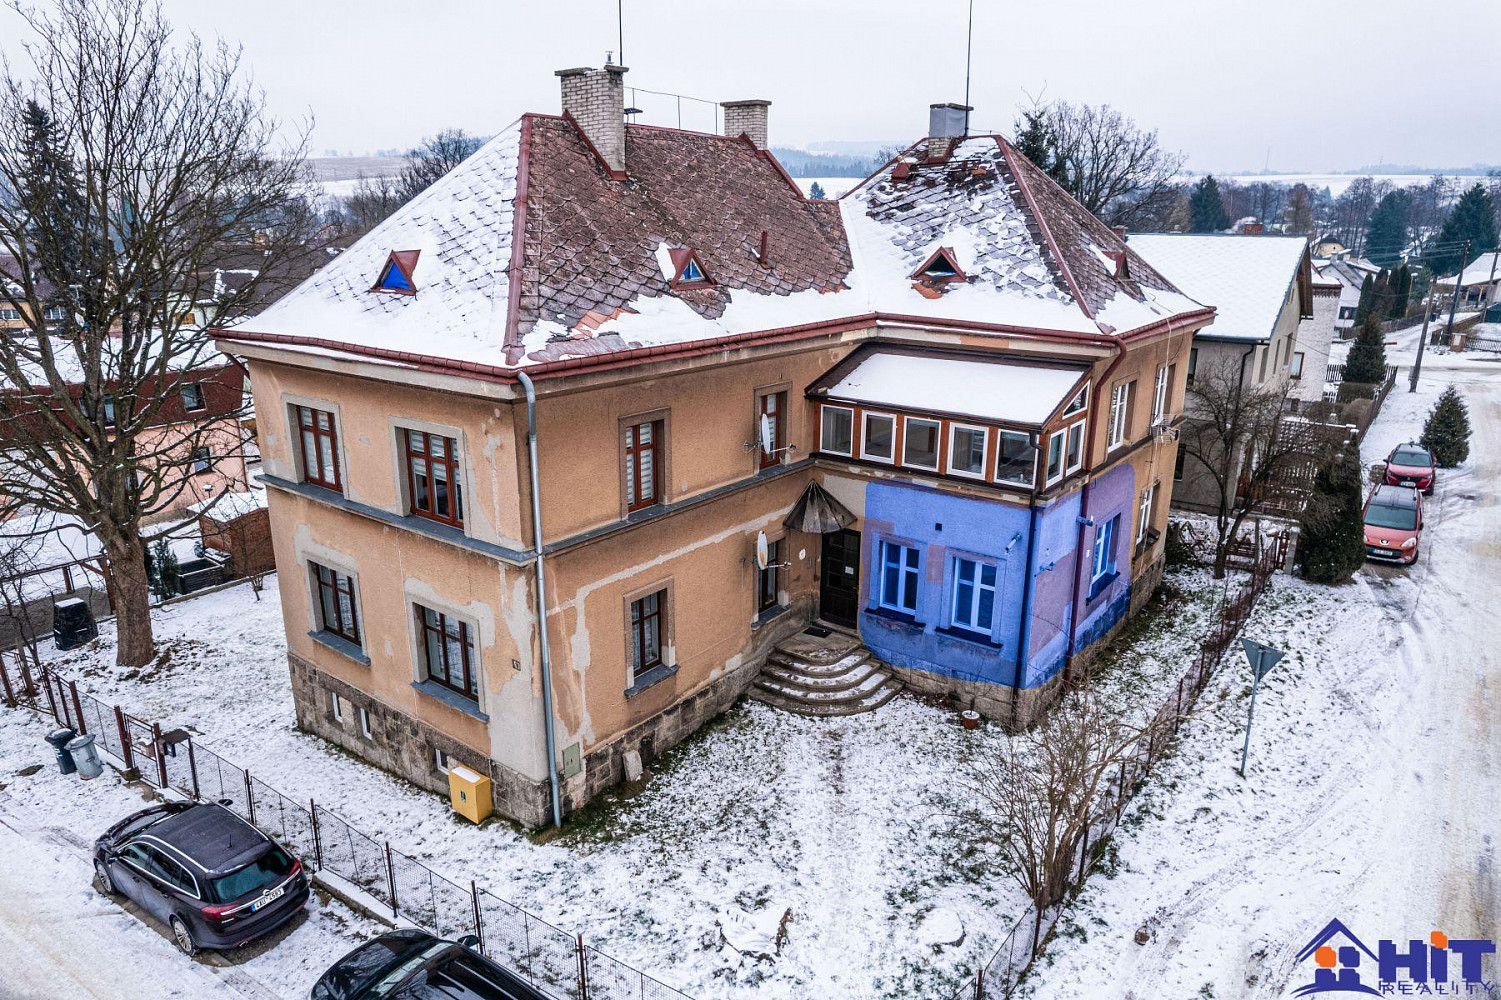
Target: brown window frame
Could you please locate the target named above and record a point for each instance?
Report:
(463, 635)
(331, 589)
(633, 452)
(638, 623)
(778, 415)
(311, 414)
(449, 462)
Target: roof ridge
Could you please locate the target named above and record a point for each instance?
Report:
(1047, 235)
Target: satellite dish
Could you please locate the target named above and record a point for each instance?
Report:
(768, 436)
(763, 557)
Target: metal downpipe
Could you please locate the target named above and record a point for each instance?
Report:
(552, 739)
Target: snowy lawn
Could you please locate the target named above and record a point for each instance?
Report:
(845, 824)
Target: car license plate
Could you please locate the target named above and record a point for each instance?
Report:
(1409, 482)
(268, 898)
(1382, 552)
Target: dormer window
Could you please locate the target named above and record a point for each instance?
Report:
(689, 271)
(396, 276)
(1122, 269)
(941, 266)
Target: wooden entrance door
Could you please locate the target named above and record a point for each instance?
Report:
(839, 587)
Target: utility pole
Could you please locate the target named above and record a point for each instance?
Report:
(1464, 257)
(1417, 361)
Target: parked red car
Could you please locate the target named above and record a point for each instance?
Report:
(1411, 465)
(1393, 524)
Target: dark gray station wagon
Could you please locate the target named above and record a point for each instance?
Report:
(212, 878)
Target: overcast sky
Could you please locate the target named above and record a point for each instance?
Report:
(1323, 86)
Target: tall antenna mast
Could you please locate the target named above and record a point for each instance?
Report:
(620, 30)
(969, 53)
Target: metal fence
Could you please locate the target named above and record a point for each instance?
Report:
(550, 958)
(1026, 937)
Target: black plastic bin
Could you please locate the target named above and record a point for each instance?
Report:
(59, 739)
(73, 623)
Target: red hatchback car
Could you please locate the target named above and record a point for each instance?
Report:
(1393, 524)
(1411, 465)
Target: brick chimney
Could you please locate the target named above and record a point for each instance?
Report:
(746, 118)
(595, 99)
(1254, 229)
(947, 124)
(1120, 232)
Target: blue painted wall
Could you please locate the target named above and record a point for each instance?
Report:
(944, 526)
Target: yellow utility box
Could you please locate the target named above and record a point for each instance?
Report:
(469, 792)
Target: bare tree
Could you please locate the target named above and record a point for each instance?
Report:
(1298, 215)
(1115, 168)
(1244, 439)
(1038, 794)
(374, 198)
(157, 154)
(436, 156)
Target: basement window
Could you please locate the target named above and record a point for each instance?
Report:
(396, 275)
(941, 266)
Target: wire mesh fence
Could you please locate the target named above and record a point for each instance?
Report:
(545, 955)
(353, 856)
(427, 898)
(607, 978)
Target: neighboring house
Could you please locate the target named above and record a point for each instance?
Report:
(937, 412)
(1351, 278)
(1479, 283)
(15, 318)
(1328, 246)
(1262, 290)
(1310, 364)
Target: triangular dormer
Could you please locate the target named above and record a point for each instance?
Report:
(396, 276)
(941, 266)
(688, 270)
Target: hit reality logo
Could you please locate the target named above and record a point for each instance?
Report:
(1444, 966)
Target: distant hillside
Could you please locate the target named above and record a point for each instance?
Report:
(801, 163)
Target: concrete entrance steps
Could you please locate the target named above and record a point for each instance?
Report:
(824, 676)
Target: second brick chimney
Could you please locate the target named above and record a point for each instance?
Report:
(595, 99)
(947, 124)
(747, 118)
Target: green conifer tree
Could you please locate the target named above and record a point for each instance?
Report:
(1367, 297)
(1473, 218)
(1331, 546)
(1367, 360)
(1206, 209)
(1447, 432)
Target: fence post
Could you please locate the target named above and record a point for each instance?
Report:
(10, 694)
(312, 809)
(249, 797)
(77, 707)
(127, 754)
(479, 923)
(51, 698)
(583, 973)
(391, 880)
(193, 770)
(161, 757)
(980, 984)
(1084, 856)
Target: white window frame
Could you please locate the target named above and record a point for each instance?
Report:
(976, 586)
(1144, 512)
(893, 602)
(1079, 403)
(984, 432)
(197, 389)
(1296, 366)
(1031, 480)
(865, 436)
(823, 424)
(334, 702)
(365, 723)
(937, 442)
(1062, 458)
(1120, 405)
(1075, 433)
(1104, 544)
(441, 761)
(1159, 395)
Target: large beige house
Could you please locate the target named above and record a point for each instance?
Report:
(628, 382)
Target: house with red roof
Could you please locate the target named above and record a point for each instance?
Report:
(565, 455)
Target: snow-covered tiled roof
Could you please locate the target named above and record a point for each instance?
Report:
(586, 279)
(1245, 278)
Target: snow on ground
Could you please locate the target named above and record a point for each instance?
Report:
(846, 823)
(51, 914)
(1374, 788)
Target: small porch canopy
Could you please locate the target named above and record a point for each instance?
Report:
(992, 391)
(818, 513)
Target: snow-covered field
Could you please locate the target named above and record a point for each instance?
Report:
(1374, 790)
(847, 824)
